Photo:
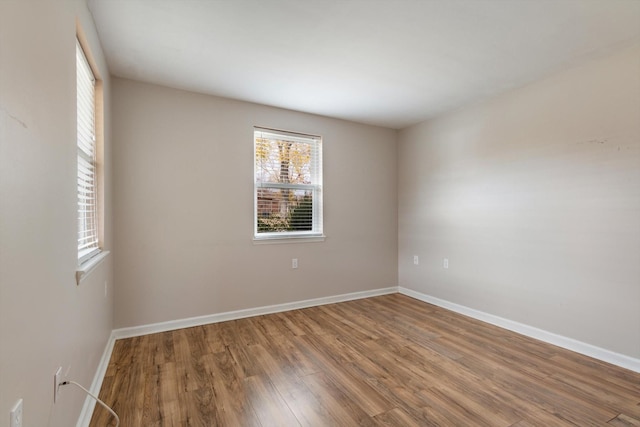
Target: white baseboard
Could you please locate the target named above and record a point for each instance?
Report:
(240, 314)
(539, 334)
(89, 404)
(549, 337)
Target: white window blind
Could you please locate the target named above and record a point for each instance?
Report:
(87, 185)
(287, 184)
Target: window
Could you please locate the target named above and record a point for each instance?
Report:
(88, 245)
(287, 184)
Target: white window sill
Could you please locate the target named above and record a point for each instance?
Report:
(288, 239)
(89, 265)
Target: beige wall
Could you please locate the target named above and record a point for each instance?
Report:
(184, 208)
(46, 320)
(534, 197)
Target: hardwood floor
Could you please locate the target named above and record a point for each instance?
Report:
(383, 361)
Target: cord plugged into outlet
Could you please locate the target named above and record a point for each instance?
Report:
(93, 396)
(57, 380)
(16, 413)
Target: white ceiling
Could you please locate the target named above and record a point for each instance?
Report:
(386, 62)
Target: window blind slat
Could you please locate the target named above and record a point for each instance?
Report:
(86, 177)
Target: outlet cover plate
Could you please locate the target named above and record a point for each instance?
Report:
(16, 414)
(57, 379)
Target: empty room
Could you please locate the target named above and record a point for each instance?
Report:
(319, 213)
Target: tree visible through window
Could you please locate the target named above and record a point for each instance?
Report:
(288, 184)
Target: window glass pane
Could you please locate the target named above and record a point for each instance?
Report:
(283, 209)
(283, 161)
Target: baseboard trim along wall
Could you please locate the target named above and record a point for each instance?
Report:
(89, 403)
(250, 312)
(529, 331)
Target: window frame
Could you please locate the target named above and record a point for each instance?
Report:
(316, 187)
(87, 147)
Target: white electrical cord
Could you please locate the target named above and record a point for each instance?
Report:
(96, 399)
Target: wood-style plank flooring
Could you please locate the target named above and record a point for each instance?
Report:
(383, 361)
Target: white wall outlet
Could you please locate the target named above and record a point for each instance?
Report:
(294, 263)
(445, 263)
(106, 286)
(416, 260)
(16, 414)
(57, 379)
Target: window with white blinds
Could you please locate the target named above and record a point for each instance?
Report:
(287, 184)
(88, 244)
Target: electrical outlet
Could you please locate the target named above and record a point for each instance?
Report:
(294, 263)
(416, 260)
(57, 379)
(445, 264)
(105, 288)
(16, 415)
